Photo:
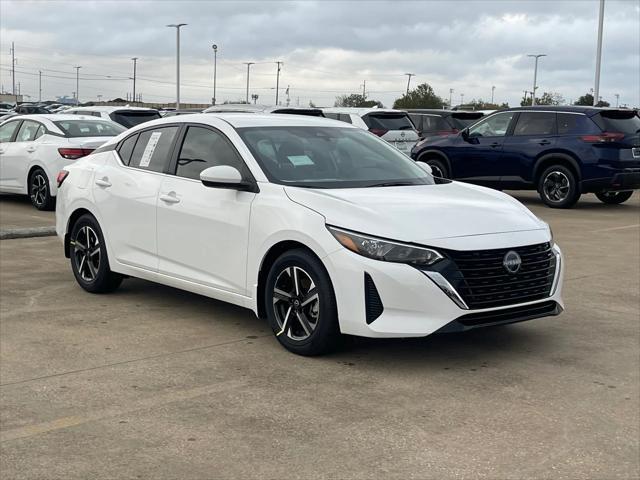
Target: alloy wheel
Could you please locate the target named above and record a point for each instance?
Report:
(86, 253)
(296, 303)
(436, 171)
(556, 186)
(38, 189)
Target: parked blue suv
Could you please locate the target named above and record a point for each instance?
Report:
(562, 152)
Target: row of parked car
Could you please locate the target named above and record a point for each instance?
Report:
(562, 152)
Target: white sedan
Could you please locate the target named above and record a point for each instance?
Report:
(317, 226)
(34, 148)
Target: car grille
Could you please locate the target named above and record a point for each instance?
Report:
(483, 282)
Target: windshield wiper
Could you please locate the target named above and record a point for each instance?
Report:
(393, 184)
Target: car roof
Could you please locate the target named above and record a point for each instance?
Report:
(241, 120)
(249, 108)
(110, 108)
(444, 113)
(57, 117)
(360, 111)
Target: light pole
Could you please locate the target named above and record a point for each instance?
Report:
(215, 66)
(409, 80)
(617, 95)
(599, 53)
(535, 76)
(364, 89)
(450, 94)
(493, 89)
(248, 68)
(278, 81)
(39, 85)
(177, 27)
(462, 99)
(135, 61)
(77, 85)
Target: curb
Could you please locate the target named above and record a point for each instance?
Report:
(27, 232)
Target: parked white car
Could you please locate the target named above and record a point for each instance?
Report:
(34, 148)
(394, 126)
(126, 116)
(318, 226)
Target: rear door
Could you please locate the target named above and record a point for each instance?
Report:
(203, 232)
(8, 132)
(535, 134)
(478, 158)
(126, 194)
(20, 154)
(395, 128)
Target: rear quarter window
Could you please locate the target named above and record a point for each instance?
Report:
(572, 124)
(388, 121)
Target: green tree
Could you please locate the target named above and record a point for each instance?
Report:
(587, 100)
(482, 105)
(356, 100)
(547, 98)
(422, 96)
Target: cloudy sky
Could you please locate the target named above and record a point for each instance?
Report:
(328, 48)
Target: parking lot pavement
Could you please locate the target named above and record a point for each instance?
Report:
(16, 211)
(152, 382)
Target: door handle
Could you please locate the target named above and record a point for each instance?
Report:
(170, 198)
(103, 182)
(31, 149)
(1, 151)
(494, 144)
(544, 142)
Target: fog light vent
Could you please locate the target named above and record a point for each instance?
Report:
(372, 300)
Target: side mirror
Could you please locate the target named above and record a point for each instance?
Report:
(226, 176)
(465, 134)
(426, 167)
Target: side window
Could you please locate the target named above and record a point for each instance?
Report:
(493, 126)
(126, 149)
(344, 117)
(27, 132)
(39, 132)
(203, 148)
(153, 149)
(415, 118)
(534, 123)
(572, 124)
(332, 116)
(7, 130)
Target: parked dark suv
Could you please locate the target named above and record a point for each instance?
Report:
(561, 152)
(431, 122)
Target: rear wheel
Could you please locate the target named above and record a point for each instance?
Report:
(301, 305)
(89, 260)
(614, 198)
(558, 187)
(438, 167)
(39, 190)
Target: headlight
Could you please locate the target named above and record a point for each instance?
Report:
(385, 250)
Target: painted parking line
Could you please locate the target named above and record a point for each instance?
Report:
(625, 227)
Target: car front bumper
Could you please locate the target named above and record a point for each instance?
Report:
(413, 305)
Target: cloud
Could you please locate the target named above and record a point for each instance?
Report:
(328, 47)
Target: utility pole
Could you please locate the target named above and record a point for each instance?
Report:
(535, 76)
(215, 66)
(177, 27)
(135, 61)
(77, 85)
(39, 85)
(599, 53)
(493, 89)
(462, 99)
(450, 100)
(288, 97)
(409, 80)
(248, 64)
(13, 71)
(364, 89)
(278, 81)
(617, 95)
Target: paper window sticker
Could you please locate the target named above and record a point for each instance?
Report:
(298, 160)
(149, 149)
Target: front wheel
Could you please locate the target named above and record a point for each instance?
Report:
(438, 167)
(614, 198)
(89, 260)
(301, 305)
(558, 187)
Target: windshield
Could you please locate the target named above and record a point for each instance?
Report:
(131, 118)
(330, 157)
(89, 128)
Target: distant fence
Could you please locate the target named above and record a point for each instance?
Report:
(148, 104)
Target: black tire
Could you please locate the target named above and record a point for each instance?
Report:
(39, 192)
(310, 329)
(614, 198)
(89, 260)
(558, 187)
(438, 167)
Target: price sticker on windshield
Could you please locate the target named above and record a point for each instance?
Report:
(149, 149)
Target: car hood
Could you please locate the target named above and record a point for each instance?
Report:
(419, 213)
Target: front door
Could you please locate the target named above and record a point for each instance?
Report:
(203, 232)
(478, 158)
